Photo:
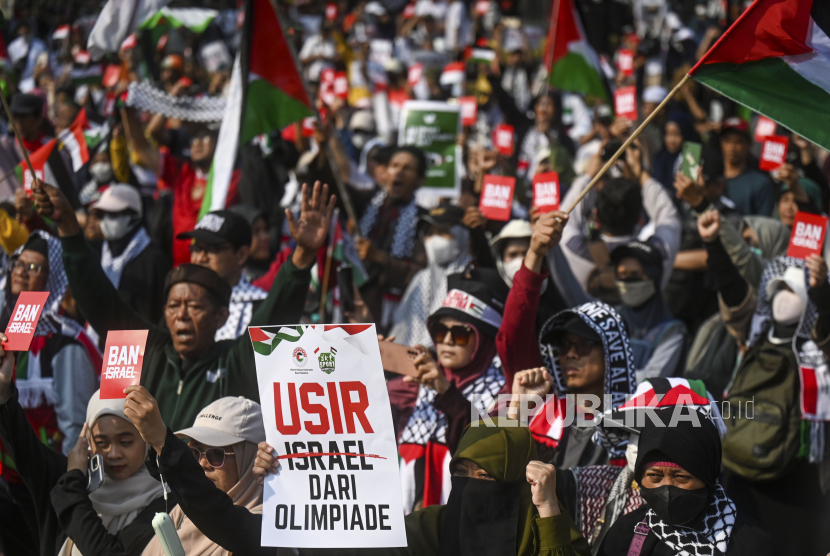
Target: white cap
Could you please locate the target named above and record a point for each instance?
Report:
(118, 197)
(227, 421)
(515, 229)
(375, 8)
(654, 94)
(363, 120)
(794, 278)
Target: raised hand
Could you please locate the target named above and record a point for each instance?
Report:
(708, 225)
(429, 374)
(6, 371)
(51, 203)
(542, 479)
(311, 229)
(143, 410)
(817, 268)
(689, 190)
(547, 232)
(534, 382)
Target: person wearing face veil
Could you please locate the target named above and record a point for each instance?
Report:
(687, 512)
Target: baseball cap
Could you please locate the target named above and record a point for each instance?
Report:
(227, 421)
(736, 124)
(220, 226)
(23, 104)
(640, 250)
(444, 216)
(118, 197)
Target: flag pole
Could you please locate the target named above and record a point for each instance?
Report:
(19, 138)
(628, 142)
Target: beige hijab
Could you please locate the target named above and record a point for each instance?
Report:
(246, 492)
(118, 503)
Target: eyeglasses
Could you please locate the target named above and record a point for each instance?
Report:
(204, 139)
(214, 456)
(461, 333)
(26, 268)
(583, 347)
(208, 249)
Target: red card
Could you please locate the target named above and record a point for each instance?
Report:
(503, 139)
(409, 10)
(331, 11)
(482, 7)
(123, 359)
(625, 103)
(625, 62)
(497, 197)
(764, 127)
(546, 191)
(414, 74)
(469, 111)
(807, 237)
(341, 85)
(327, 85)
(111, 76)
(308, 126)
(22, 325)
(773, 153)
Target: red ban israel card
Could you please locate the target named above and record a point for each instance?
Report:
(341, 85)
(414, 74)
(773, 153)
(469, 110)
(807, 237)
(123, 358)
(625, 103)
(21, 327)
(764, 127)
(625, 62)
(497, 197)
(503, 139)
(546, 191)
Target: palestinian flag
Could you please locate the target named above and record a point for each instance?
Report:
(264, 96)
(49, 167)
(572, 63)
(344, 250)
(81, 137)
(84, 71)
(775, 59)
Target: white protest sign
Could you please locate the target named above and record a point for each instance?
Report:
(323, 391)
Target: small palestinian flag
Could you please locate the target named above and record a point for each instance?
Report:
(81, 137)
(265, 339)
(49, 168)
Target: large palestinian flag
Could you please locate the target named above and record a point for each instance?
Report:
(266, 94)
(775, 59)
(572, 62)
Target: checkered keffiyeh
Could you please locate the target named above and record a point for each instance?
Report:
(427, 424)
(241, 309)
(403, 242)
(143, 96)
(717, 528)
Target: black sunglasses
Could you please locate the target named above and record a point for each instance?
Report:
(460, 333)
(583, 347)
(214, 456)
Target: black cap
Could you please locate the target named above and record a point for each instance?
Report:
(574, 325)
(221, 226)
(202, 276)
(23, 104)
(443, 217)
(475, 296)
(640, 250)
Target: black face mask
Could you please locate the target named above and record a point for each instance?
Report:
(676, 505)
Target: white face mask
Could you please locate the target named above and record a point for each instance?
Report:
(631, 451)
(787, 308)
(115, 227)
(101, 172)
(440, 250)
(512, 267)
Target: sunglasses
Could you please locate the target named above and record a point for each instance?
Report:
(214, 456)
(583, 347)
(461, 334)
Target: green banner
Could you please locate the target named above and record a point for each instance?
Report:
(433, 127)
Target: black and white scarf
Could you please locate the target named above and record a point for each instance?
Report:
(717, 528)
(403, 241)
(241, 309)
(143, 96)
(114, 266)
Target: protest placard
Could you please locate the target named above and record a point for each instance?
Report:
(215, 56)
(469, 110)
(764, 127)
(123, 359)
(690, 158)
(773, 153)
(625, 62)
(625, 103)
(433, 127)
(331, 11)
(497, 197)
(414, 74)
(807, 237)
(22, 325)
(323, 391)
(546, 191)
(503, 139)
(341, 85)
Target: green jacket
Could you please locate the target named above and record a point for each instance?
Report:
(227, 369)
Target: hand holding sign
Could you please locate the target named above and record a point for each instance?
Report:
(817, 268)
(22, 325)
(266, 462)
(6, 371)
(142, 409)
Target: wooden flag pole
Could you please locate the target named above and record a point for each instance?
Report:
(628, 142)
(19, 139)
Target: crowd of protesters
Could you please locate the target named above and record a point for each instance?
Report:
(655, 283)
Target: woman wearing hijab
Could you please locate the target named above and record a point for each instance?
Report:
(658, 339)
(679, 127)
(686, 511)
(513, 501)
(116, 518)
(446, 242)
(433, 408)
(225, 449)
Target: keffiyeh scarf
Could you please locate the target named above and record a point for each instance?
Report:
(114, 266)
(143, 96)
(717, 528)
(241, 309)
(403, 241)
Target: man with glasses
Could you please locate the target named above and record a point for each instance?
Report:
(187, 179)
(222, 243)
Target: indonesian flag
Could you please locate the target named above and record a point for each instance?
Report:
(775, 59)
(453, 74)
